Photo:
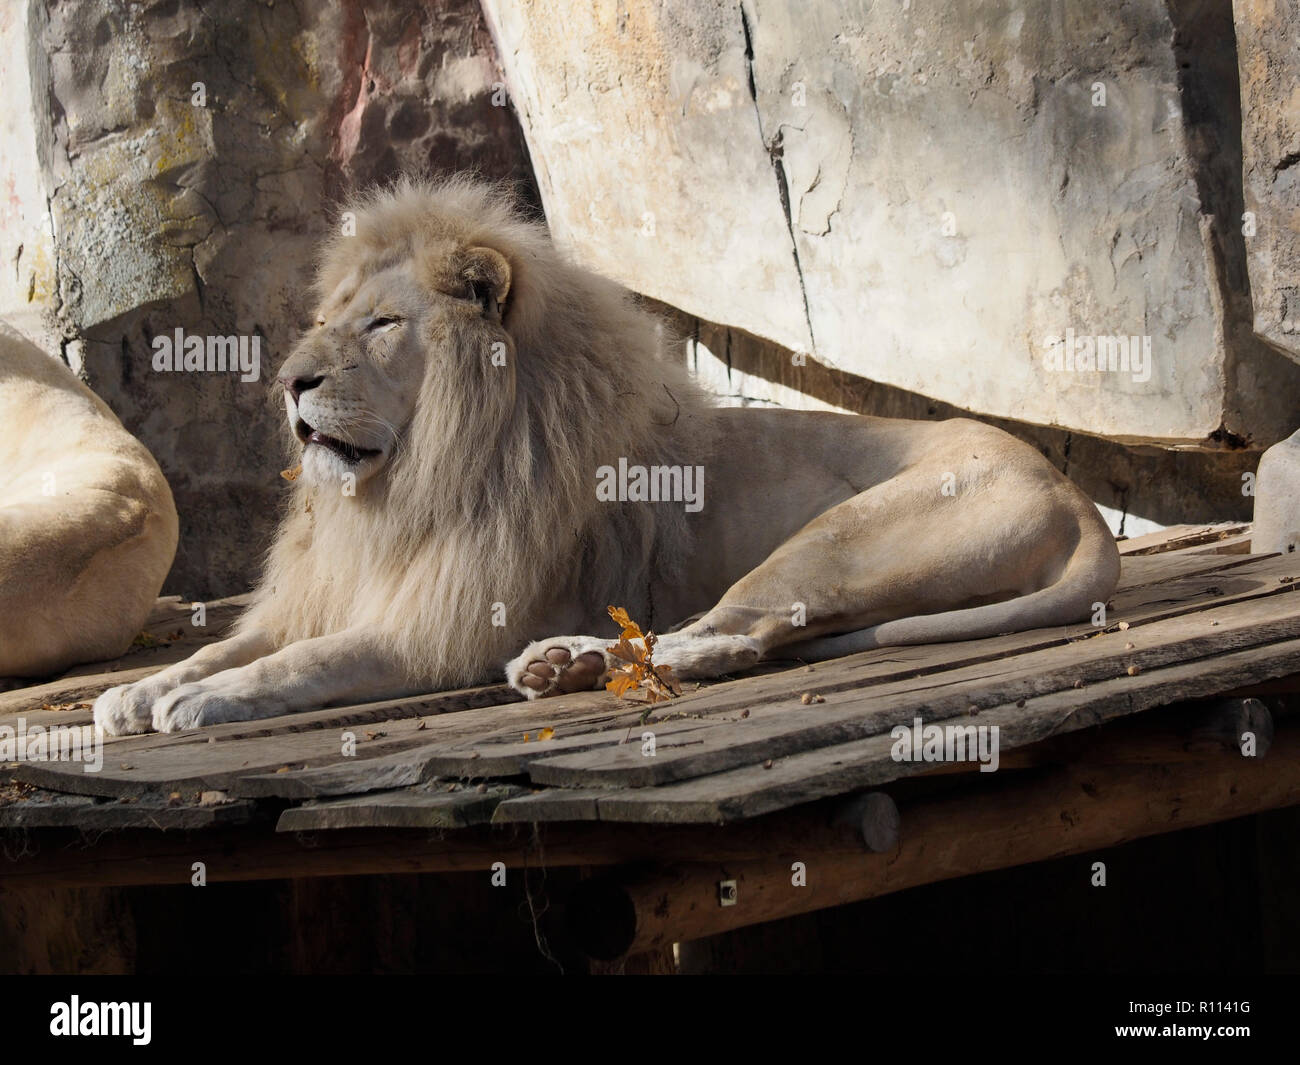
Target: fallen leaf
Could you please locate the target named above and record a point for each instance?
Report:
(635, 676)
(546, 734)
(292, 475)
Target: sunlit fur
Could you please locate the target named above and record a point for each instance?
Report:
(489, 496)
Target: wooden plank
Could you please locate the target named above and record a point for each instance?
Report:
(759, 789)
(48, 810)
(1181, 537)
(1229, 545)
(776, 729)
(202, 766)
(755, 790)
(1151, 569)
(215, 757)
(553, 804)
(424, 806)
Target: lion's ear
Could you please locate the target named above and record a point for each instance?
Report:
(486, 275)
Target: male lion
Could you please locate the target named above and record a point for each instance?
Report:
(460, 391)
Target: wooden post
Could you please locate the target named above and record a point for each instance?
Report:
(874, 816)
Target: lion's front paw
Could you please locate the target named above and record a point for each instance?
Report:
(196, 705)
(126, 709)
(559, 666)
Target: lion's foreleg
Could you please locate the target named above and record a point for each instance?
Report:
(305, 675)
(128, 708)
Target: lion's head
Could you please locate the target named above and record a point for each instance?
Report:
(409, 297)
(470, 380)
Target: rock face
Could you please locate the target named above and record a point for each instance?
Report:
(171, 165)
(1277, 498)
(1268, 52)
(922, 195)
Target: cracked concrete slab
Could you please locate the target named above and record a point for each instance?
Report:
(955, 186)
(649, 155)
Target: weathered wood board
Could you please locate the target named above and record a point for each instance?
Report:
(1193, 616)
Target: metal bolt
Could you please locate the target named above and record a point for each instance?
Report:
(727, 893)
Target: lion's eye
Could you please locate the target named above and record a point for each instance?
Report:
(481, 293)
(378, 325)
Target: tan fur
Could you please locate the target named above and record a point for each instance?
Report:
(87, 523)
(474, 498)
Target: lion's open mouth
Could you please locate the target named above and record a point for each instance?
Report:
(351, 452)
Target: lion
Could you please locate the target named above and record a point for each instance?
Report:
(458, 406)
(88, 527)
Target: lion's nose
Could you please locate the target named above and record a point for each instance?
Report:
(296, 386)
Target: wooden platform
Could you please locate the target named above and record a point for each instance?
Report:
(793, 759)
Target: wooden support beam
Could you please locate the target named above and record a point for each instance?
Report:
(1012, 821)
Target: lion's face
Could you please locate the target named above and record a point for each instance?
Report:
(352, 385)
